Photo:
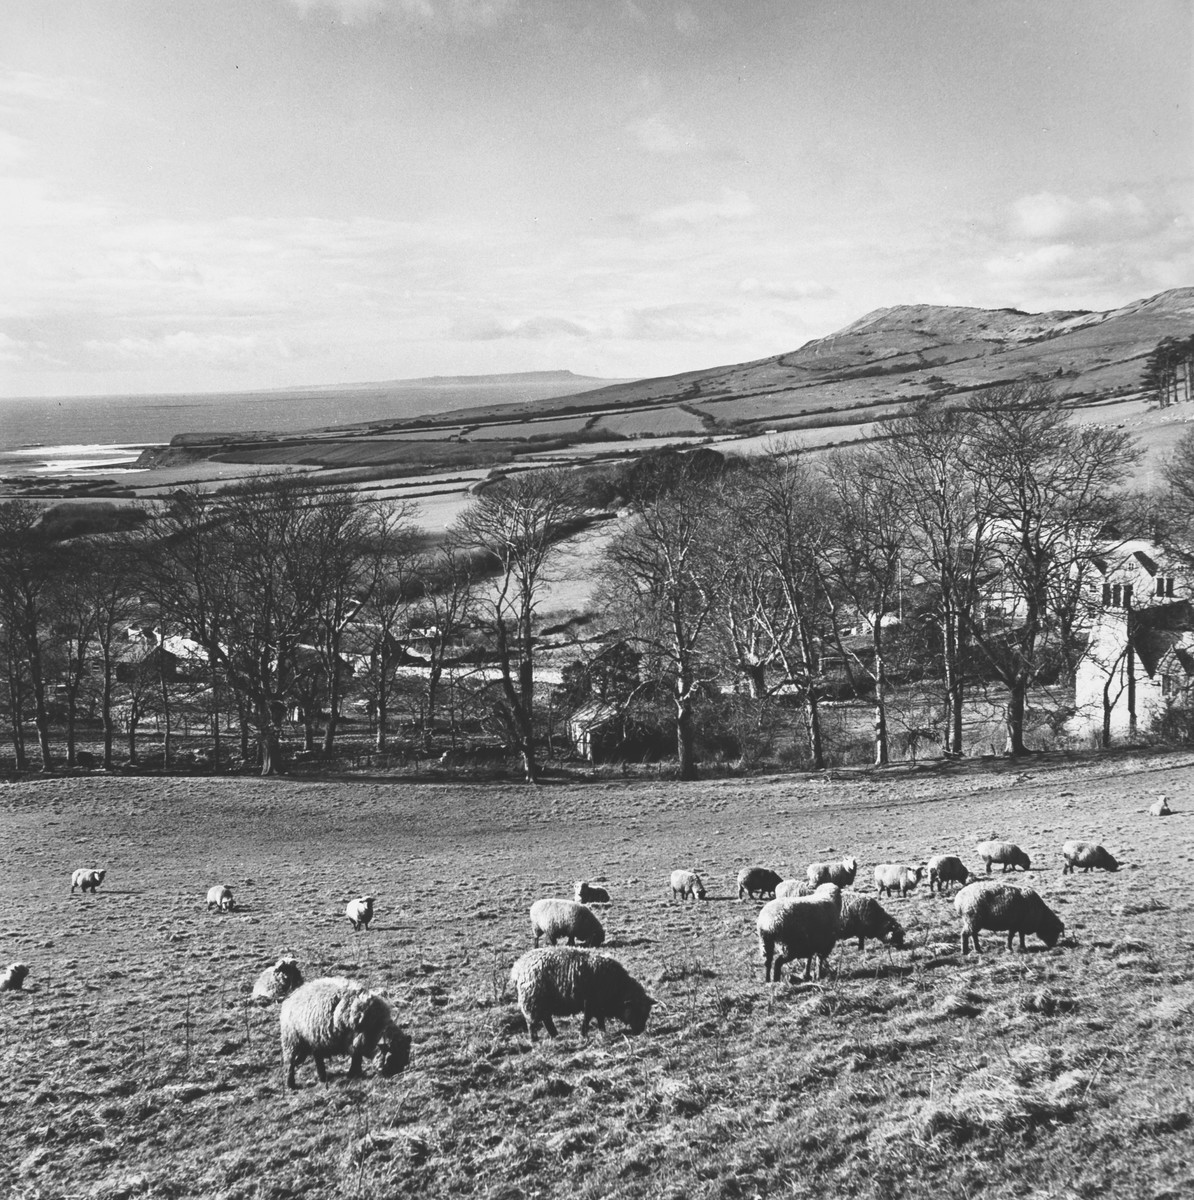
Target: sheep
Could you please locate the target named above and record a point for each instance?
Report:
(1003, 906)
(757, 879)
(687, 885)
(1086, 855)
(793, 887)
(589, 893)
(1160, 808)
(334, 1016)
(842, 873)
(277, 982)
(895, 877)
(86, 879)
(555, 919)
(359, 912)
(219, 897)
(1007, 853)
(12, 978)
(804, 927)
(945, 868)
(560, 982)
(864, 917)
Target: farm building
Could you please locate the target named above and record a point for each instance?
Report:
(1138, 673)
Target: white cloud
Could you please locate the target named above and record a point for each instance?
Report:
(495, 329)
(12, 150)
(1048, 216)
(790, 289)
(658, 135)
(733, 206)
(461, 14)
(218, 349)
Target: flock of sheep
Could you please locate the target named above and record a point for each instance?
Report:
(803, 920)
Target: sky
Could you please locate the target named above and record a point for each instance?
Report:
(240, 194)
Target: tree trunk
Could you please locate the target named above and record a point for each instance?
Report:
(106, 710)
(882, 752)
(1016, 705)
(686, 737)
(267, 740)
(165, 693)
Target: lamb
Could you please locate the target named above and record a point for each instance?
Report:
(86, 879)
(332, 1016)
(793, 887)
(804, 927)
(589, 893)
(687, 885)
(12, 978)
(360, 912)
(757, 879)
(560, 982)
(894, 877)
(945, 868)
(1160, 808)
(219, 897)
(1002, 906)
(1086, 855)
(277, 982)
(1007, 853)
(842, 873)
(555, 919)
(863, 917)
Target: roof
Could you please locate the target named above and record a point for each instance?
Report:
(595, 712)
(1160, 630)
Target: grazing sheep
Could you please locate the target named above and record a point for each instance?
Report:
(687, 885)
(1007, 853)
(803, 927)
(219, 897)
(945, 868)
(842, 873)
(555, 919)
(1160, 808)
(1086, 855)
(87, 879)
(1003, 906)
(277, 982)
(12, 978)
(334, 1016)
(864, 917)
(589, 893)
(360, 912)
(793, 887)
(560, 982)
(895, 877)
(757, 879)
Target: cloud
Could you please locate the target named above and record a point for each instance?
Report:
(494, 329)
(459, 14)
(733, 206)
(786, 289)
(12, 150)
(657, 135)
(1048, 216)
(11, 350)
(218, 349)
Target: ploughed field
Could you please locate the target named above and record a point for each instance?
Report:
(133, 1066)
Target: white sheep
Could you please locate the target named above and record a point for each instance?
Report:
(842, 873)
(13, 977)
(1002, 906)
(589, 893)
(277, 982)
(359, 912)
(561, 982)
(219, 896)
(793, 887)
(947, 868)
(896, 877)
(555, 919)
(332, 1016)
(86, 879)
(1160, 808)
(686, 885)
(1007, 853)
(802, 927)
(1086, 855)
(757, 879)
(864, 917)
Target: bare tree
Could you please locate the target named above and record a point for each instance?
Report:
(520, 524)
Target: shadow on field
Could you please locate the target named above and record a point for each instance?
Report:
(114, 892)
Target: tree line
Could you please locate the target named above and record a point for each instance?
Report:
(954, 550)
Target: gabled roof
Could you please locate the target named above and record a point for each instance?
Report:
(1160, 630)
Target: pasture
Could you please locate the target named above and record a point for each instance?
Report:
(133, 1067)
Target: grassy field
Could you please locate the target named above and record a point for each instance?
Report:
(134, 1068)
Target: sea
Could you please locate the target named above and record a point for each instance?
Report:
(83, 435)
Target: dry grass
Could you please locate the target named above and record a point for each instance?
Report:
(133, 1067)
